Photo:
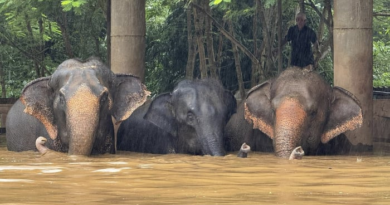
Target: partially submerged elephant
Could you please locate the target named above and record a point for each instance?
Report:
(189, 120)
(73, 107)
(298, 108)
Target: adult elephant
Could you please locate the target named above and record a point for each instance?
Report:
(73, 107)
(298, 108)
(189, 120)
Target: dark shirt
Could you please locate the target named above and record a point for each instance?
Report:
(301, 54)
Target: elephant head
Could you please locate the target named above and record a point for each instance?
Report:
(299, 108)
(75, 104)
(195, 113)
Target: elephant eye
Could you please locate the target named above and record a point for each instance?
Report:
(62, 99)
(190, 117)
(313, 112)
(104, 98)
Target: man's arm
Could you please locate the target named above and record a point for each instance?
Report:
(317, 46)
(284, 41)
(315, 42)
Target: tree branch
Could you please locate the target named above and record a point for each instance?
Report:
(227, 35)
(381, 14)
(313, 6)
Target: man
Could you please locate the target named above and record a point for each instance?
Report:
(301, 37)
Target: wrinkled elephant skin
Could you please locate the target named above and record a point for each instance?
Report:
(72, 108)
(189, 120)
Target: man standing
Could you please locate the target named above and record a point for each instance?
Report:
(302, 38)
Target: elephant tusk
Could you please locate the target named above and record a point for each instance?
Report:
(243, 153)
(297, 153)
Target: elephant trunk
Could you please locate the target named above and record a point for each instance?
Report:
(289, 122)
(211, 140)
(82, 121)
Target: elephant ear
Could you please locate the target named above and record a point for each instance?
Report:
(36, 96)
(161, 114)
(345, 114)
(258, 109)
(128, 94)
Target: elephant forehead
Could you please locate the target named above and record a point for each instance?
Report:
(309, 98)
(184, 97)
(77, 74)
(75, 81)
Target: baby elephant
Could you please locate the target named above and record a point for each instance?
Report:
(189, 120)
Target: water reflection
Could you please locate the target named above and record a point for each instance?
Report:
(133, 178)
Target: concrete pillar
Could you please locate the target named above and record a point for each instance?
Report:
(127, 35)
(128, 30)
(352, 40)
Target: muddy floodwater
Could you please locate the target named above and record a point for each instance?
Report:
(134, 178)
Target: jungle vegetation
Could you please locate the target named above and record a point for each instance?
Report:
(231, 40)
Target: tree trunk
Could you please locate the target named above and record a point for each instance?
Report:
(330, 27)
(227, 34)
(191, 47)
(2, 81)
(237, 63)
(108, 19)
(41, 47)
(198, 22)
(219, 53)
(280, 60)
(267, 38)
(128, 30)
(320, 34)
(254, 73)
(302, 6)
(273, 21)
(326, 18)
(209, 38)
(65, 35)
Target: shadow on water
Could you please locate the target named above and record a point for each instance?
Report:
(134, 178)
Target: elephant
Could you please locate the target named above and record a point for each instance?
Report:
(73, 108)
(297, 108)
(190, 120)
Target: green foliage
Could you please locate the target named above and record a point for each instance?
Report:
(381, 65)
(30, 28)
(216, 2)
(166, 44)
(381, 50)
(32, 37)
(68, 5)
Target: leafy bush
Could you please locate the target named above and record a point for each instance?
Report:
(381, 66)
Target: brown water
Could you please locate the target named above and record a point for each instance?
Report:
(133, 178)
